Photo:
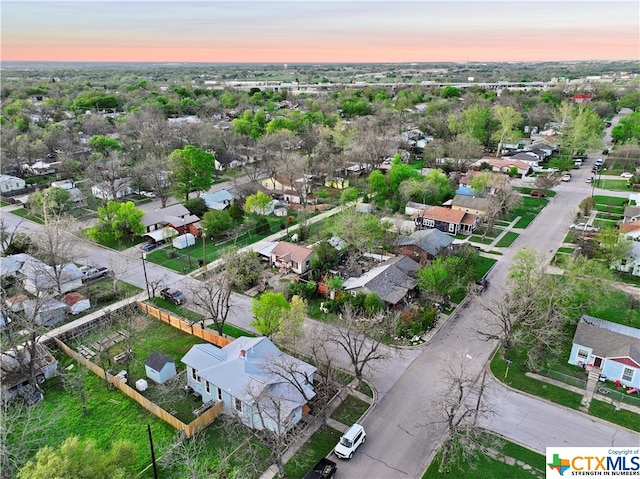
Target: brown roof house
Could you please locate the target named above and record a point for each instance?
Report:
(291, 257)
(391, 281)
(423, 245)
(449, 221)
(76, 303)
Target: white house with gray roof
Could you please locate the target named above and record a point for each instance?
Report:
(612, 347)
(263, 386)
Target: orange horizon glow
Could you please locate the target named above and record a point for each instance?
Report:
(319, 32)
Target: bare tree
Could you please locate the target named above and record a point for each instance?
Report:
(353, 336)
(460, 407)
(213, 295)
(504, 317)
(7, 236)
(189, 455)
(110, 174)
(23, 430)
(546, 181)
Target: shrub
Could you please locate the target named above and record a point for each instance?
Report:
(373, 304)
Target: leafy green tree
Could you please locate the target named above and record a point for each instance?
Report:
(373, 304)
(236, 213)
(192, 170)
(581, 128)
(291, 324)
(51, 202)
(508, 121)
(259, 203)
(117, 221)
(447, 275)
(268, 311)
(217, 222)
(104, 145)
(82, 460)
(450, 92)
(243, 269)
(196, 206)
(325, 257)
(348, 195)
(628, 128)
(473, 122)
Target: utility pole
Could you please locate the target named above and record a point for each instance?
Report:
(144, 268)
(153, 454)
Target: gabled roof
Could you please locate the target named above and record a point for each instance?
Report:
(430, 241)
(471, 202)
(44, 276)
(214, 199)
(12, 264)
(166, 215)
(631, 211)
(157, 361)
(72, 298)
(291, 252)
(244, 368)
(607, 339)
(391, 281)
(439, 213)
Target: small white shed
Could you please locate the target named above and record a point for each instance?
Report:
(160, 368)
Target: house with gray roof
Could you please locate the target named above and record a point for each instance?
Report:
(391, 281)
(160, 368)
(218, 200)
(631, 213)
(614, 348)
(423, 245)
(42, 279)
(254, 380)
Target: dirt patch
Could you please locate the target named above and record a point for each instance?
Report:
(140, 322)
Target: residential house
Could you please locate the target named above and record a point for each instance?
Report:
(175, 216)
(547, 146)
(45, 312)
(10, 183)
(41, 167)
(471, 204)
(120, 189)
(630, 230)
(219, 200)
(41, 279)
(291, 257)
(336, 182)
(527, 157)
(398, 225)
(631, 263)
(254, 380)
(392, 280)
(160, 368)
(423, 245)
(76, 302)
(493, 185)
(283, 188)
(15, 303)
(613, 348)
(14, 367)
(631, 214)
(505, 166)
(450, 221)
(582, 98)
(226, 161)
(413, 208)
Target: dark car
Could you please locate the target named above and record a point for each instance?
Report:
(538, 193)
(94, 273)
(481, 285)
(149, 246)
(173, 295)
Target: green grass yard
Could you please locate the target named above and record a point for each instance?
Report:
(319, 445)
(507, 240)
(350, 410)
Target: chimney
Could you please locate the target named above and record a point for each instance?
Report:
(243, 353)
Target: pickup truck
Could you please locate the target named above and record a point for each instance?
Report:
(94, 273)
(324, 469)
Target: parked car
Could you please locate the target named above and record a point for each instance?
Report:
(323, 469)
(566, 177)
(585, 227)
(626, 174)
(350, 441)
(538, 193)
(148, 194)
(590, 179)
(173, 295)
(94, 273)
(148, 246)
(481, 285)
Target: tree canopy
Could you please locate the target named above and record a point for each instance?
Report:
(192, 170)
(117, 221)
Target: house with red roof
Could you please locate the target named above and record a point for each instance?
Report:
(582, 98)
(612, 348)
(505, 166)
(444, 219)
(291, 257)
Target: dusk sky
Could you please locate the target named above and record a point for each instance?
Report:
(319, 31)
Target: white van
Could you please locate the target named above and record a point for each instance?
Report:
(350, 441)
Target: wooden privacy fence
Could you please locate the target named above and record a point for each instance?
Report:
(178, 323)
(189, 430)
